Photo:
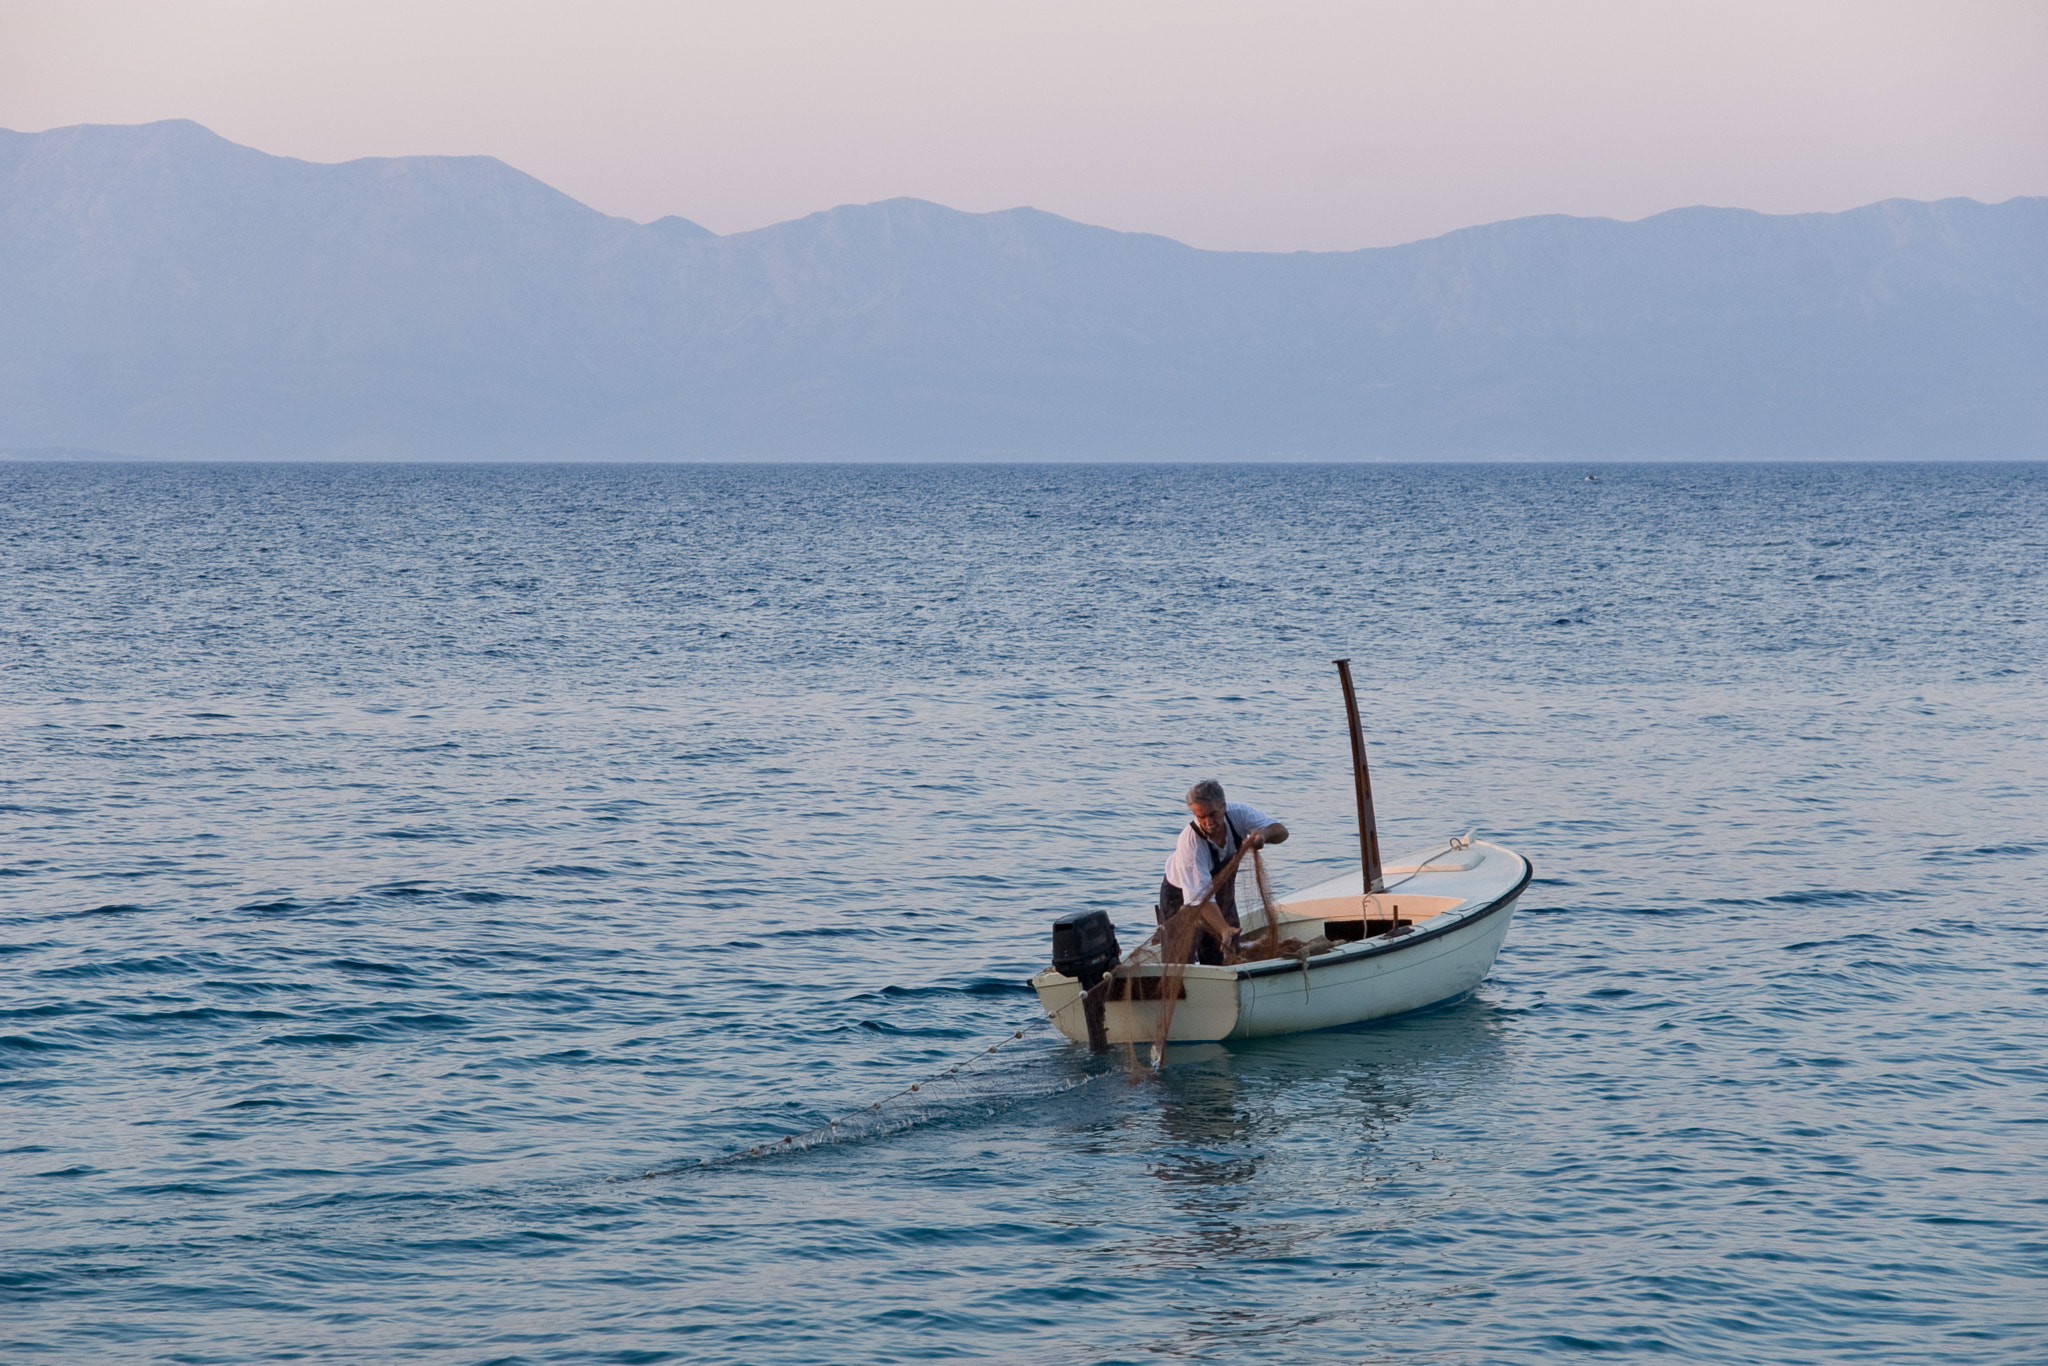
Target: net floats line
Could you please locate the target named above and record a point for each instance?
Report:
(875, 1117)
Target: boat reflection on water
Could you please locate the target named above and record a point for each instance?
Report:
(1271, 1149)
(1202, 1120)
(1364, 1081)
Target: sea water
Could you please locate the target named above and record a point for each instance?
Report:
(400, 862)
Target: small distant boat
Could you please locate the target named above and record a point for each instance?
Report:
(1381, 941)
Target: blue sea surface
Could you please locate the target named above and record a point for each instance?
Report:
(399, 862)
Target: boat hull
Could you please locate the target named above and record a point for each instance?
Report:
(1355, 988)
(1438, 959)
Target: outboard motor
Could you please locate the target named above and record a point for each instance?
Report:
(1084, 947)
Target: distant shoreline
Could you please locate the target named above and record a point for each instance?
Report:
(66, 456)
(167, 290)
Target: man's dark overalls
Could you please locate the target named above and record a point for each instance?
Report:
(1207, 948)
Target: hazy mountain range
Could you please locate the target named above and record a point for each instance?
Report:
(164, 292)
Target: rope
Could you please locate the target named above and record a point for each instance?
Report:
(1457, 843)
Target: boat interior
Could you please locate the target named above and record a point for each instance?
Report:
(1308, 928)
(1342, 919)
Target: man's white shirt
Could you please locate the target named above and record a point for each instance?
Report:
(1193, 862)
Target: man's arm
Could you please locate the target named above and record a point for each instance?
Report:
(1272, 832)
(1259, 827)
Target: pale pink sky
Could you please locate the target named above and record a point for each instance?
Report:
(1268, 126)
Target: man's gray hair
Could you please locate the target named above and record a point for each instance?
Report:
(1207, 792)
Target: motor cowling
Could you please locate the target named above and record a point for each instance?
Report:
(1084, 946)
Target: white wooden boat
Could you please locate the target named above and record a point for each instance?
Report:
(1381, 941)
(1455, 903)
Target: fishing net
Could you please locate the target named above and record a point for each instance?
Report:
(982, 1084)
(985, 1083)
(1269, 934)
(1177, 938)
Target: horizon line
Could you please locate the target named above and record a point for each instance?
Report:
(59, 455)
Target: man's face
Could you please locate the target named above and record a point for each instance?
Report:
(1208, 820)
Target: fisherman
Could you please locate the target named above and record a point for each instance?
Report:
(1209, 842)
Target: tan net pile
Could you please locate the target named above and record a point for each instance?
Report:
(1177, 938)
(1176, 941)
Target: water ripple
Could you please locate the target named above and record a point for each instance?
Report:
(395, 857)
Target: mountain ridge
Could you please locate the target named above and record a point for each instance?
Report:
(173, 293)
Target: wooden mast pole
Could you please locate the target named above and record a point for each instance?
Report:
(1368, 829)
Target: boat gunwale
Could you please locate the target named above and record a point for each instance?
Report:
(1381, 946)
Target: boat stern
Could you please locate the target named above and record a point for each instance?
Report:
(1205, 1009)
